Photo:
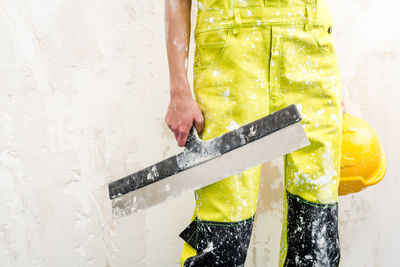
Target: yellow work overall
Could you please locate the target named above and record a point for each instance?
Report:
(252, 58)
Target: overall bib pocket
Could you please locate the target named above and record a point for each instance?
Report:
(210, 47)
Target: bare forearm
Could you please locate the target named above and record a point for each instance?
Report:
(183, 111)
(177, 33)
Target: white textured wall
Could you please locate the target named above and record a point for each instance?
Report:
(83, 92)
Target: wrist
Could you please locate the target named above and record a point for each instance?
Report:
(178, 78)
(181, 89)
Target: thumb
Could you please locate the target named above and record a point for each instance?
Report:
(198, 122)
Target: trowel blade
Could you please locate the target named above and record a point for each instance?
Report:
(281, 133)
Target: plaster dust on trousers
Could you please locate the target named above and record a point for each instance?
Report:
(252, 58)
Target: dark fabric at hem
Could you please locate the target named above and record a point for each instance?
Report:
(312, 233)
(218, 243)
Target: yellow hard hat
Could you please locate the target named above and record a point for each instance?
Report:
(363, 161)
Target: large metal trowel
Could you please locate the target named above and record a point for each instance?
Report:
(206, 162)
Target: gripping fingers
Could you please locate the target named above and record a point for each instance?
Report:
(182, 136)
(199, 123)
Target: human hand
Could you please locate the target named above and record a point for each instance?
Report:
(182, 113)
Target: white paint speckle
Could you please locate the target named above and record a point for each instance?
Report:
(232, 126)
(226, 93)
(320, 112)
(299, 107)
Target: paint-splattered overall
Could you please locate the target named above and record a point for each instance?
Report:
(252, 58)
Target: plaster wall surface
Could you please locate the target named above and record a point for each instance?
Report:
(83, 93)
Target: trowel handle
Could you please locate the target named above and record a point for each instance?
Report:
(193, 138)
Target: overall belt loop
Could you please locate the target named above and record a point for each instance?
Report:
(238, 21)
(311, 14)
(307, 25)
